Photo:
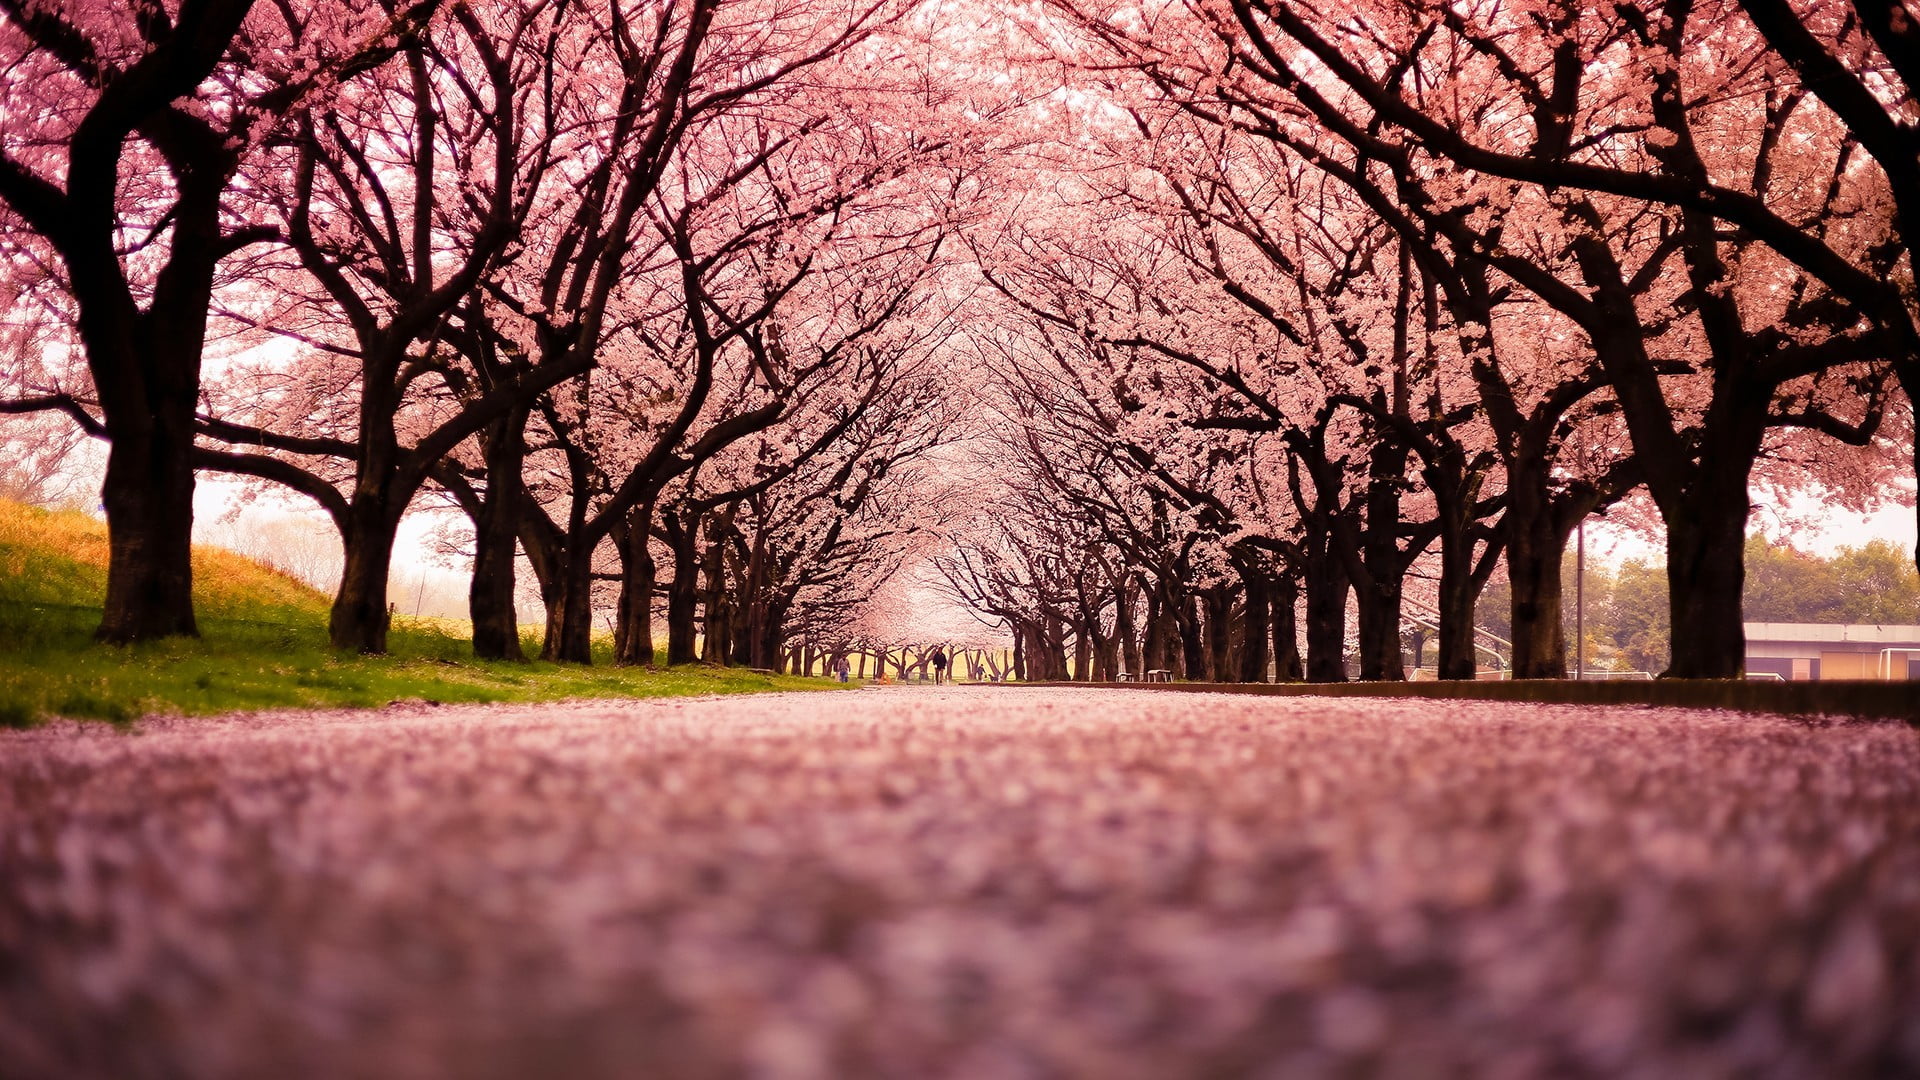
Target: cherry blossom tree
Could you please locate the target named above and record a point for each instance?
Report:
(121, 132)
(806, 552)
(1626, 107)
(44, 458)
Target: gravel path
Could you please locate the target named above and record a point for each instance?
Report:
(975, 882)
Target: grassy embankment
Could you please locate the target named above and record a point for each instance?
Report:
(263, 644)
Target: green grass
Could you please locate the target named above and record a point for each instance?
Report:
(263, 644)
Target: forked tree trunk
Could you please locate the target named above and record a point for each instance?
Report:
(360, 618)
(146, 366)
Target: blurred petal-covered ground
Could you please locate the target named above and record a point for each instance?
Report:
(962, 883)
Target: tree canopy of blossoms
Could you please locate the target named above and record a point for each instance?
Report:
(1163, 335)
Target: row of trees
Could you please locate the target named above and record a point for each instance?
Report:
(631, 285)
(1276, 309)
(1370, 301)
(1625, 618)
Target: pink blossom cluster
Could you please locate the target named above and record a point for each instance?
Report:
(974, 882)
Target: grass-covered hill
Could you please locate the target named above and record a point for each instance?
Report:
(263, 644)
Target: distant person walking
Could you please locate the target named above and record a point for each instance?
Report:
(840, 667)
(939, 665)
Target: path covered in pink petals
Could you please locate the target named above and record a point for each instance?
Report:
(968, 882)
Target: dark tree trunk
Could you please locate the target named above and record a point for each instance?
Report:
(1253, 644)
(1107, 659)
(146, 366)
(759, 631)
(496, 627)
(1378, 594)
(1699, 479)
(546, 554)
(767, 636)
(1458, 591)
(1193, 645)
(553, 600)
(1535, 545)
(360, 609)
(721, 644)
(633, 625)
(1156, 655)
(716, 646)
(1454, 652)
(571, 640)
(148, 495)
(1286, 637)
(360, 616)
(683, 592)
(1124, 629)
(1327, 588)
(1219, 634)
(1379, 629)
(1706, 571)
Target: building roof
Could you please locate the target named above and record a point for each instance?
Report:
(1865, 633)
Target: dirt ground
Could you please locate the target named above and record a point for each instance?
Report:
(964, 882)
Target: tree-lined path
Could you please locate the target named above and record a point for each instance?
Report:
(1213, 337)
(969, 882)
(1223, 341)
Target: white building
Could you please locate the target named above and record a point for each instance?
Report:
(1833, 651)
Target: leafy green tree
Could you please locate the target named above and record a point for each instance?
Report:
(1789, 586)
(1877, 583)
(1627, 627)
(1633, 619)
